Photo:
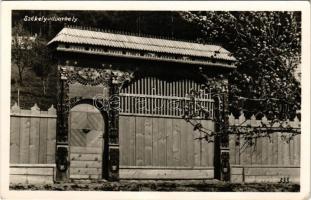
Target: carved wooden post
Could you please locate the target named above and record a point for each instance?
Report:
(221, 160)
(224, 139)
(118, 78)
(62, 160)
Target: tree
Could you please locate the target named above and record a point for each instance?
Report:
(22, 53)
(267, 46)
(44, 62)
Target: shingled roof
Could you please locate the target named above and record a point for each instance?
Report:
(148, 44)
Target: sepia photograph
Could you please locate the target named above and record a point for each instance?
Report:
(155, 100)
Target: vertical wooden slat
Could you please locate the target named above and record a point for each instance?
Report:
(237, 145)
(138, 100)
(286, 152)
(254, 147)
(259, 148)
(176, 142)
(155, 141)
(205, 146)
(124, 147)
(140, 146)
(190, 145)
(232, 139)
(265, 145)
(148, 141)
(43, 139)
(274, 153)
(15, 123)
(169, 144)
(127, 103)
(210, 146)
(280, 150)
(197, 149)
(159, 89)
(170, 93)
(297, 150)
(291, 152)
(132, 104)
(162, 127)
(132, 142)
(51, 136)
(24, 137)
(248, 149)
(297, 142)
(183, 143)
(242, 141)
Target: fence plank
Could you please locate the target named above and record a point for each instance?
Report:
(204, 146)
(162, 142)
(241, 122)
(148, 141)
(190, 145)
(232, 139)
(210, 146)
(274, 153)
(237, 145)
(297, 150)
(24, 137)
(169, 135)
(286, 151)
(43, 138)
(132, 142)
(183, 143)
(155, 142)
(140, 141)
(51, 136)
(15, 135)
(197, 149)
(15, 140)
(291, 152)
(34, 136)
(280, 149)
(176, 142)
(123, 127)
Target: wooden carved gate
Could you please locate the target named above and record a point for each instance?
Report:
(86, 142)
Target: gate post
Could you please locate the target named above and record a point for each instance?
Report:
(221, 151)
(62, 160)
(224, 137)
(118, 78)
(113, 136)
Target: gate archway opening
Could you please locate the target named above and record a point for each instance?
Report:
(88, 145)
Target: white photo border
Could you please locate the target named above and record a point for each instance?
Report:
(5, 71)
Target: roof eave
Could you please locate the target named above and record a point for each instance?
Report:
(205, 63)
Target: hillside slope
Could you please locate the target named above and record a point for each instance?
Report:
(32, 90)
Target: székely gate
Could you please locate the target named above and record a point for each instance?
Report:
(121, 102)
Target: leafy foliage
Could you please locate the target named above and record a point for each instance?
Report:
(267, 46)
(22, 54)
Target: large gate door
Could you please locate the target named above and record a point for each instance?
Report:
(86, 142)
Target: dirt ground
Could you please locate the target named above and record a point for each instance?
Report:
(208, 186)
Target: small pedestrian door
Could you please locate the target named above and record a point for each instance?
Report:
(86, 142)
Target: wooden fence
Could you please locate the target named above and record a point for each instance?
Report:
(266, 159)
(32, 136)
(163, 148)
(155, 97)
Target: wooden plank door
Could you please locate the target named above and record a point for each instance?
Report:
(86, 142)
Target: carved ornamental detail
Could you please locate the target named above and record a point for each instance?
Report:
(85, 76)
(110, 78)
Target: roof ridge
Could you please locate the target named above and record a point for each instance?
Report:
(217, 51)
(123, 32)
